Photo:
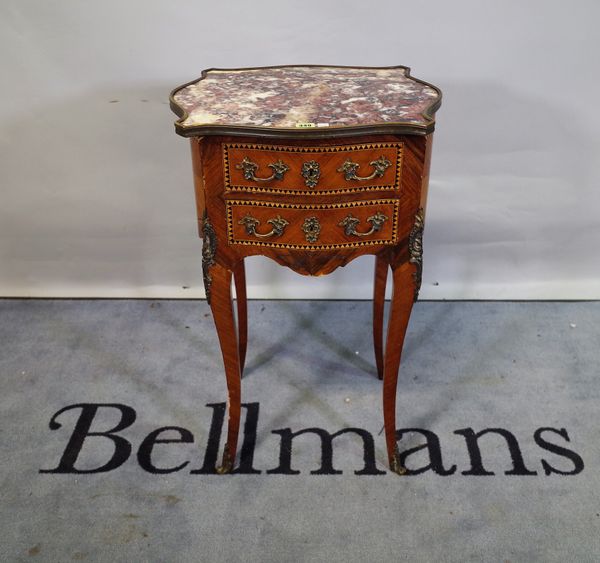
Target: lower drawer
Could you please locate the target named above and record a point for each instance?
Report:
(313, 226)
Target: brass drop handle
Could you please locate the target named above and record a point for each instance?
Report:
(278, 223)
(349, 169)
(279, 169)
(350, 223)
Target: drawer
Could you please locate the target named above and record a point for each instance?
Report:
(308, 226)
(335, 169)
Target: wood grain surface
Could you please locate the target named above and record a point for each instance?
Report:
(228, 198)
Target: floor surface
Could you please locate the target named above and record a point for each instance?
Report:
(112, 410)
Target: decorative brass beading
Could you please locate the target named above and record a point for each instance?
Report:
(415, 248)
(311, 172)
(278, 223)
(209, 249)
(312, 229)
(349, 169)
(350, 223)
(279, 169)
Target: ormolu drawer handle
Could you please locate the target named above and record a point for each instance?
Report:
(349, 169)
(350, 223)
(279, 169)
(279, 224)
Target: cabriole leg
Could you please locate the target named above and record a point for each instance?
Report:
(403, 294)
(239, 277)
(221, 305)
(381, 273)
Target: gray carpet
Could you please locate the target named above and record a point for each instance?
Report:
(528, 372)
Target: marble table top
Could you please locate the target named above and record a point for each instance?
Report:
(296, 99)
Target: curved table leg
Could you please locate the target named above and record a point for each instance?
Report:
(381, 272)
(222, 310)
(239, 278)
(403, 294)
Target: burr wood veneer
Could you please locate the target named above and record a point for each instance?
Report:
(311, 166)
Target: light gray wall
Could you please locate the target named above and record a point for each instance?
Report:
(96, 189)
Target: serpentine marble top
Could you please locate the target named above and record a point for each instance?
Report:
(306, 100)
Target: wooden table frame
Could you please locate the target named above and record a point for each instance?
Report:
(223, 263)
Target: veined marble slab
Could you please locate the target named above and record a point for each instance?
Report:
(294, 96)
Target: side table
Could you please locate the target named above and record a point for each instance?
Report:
(311, 166)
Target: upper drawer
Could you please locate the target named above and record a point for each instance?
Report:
(279, 169)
